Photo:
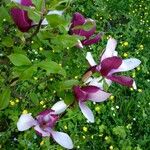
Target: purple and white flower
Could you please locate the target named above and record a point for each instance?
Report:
(44, 124)
(21, 18)
(77, 23)
(110, 64)
(92, 93)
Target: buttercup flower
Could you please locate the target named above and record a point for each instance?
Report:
(92, 93)
(76, 27)
(45, 122)
(110, 64)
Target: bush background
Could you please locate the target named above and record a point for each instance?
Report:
(123, 122)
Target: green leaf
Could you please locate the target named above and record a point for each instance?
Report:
(52, 67)
(34, 98)
(34, 15)
(28, 73)
(68, 84)
(69, 98)
(61, 42)
(4, 14)
(55, 20)
(19, 60)
(8, 42)
(4, 98)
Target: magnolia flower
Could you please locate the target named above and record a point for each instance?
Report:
(76, 27)
(21, 18)
(110, 64)
(92, 93)
(44, 123)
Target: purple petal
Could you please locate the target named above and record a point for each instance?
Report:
(110, 63)
(86, 112)
(62, 139)
(90, 89)
(110, 49)
(127, 64)
(123, 80)
(26, 2)
(21, 19)
(77, 20)
(80, 95)
(25, 122)
(41, 132)
(47, 118)
(96, 39)
(95, 94)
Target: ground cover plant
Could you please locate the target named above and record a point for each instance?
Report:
(48, 75)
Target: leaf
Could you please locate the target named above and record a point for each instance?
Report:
(4, 98)
(52, 67)
(64, 85)
(69, 98)
(34, 98)
(55, 20)
(28, 73)
(4, 14)
(34, 15)
(19, 60)
(8, 42)
(61, 42)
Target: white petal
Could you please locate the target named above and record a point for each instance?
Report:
(79, 44)
(109, 82)
(63, 139)
(86, 112)
(98, 96)
(95, 82)
(53, 12)
(25, 122)
(90, 59)
(110, 48)
(16, 1)
(59, 107)
(42, 132)
(127, 64)
(134, 85)
(115, 53)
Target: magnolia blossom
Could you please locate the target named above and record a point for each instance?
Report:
(76, 27)
(21, 18)
(92, 93)
(110, 64)
(44, 123)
